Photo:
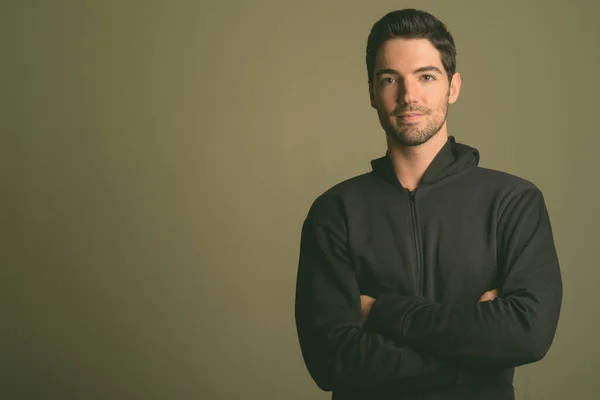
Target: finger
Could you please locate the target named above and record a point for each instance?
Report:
(490, 294)
(487, 296)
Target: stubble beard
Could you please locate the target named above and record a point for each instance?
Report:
(411, 134)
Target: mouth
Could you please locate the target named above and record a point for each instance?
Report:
(410, 117)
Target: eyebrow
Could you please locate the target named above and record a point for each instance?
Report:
(427, 68)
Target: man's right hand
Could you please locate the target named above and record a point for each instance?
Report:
(489, 295)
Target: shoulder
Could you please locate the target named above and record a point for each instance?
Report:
(505, 180)
(505, 187)
(515, 196)
(333, 202)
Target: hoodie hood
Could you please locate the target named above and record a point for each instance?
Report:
(452, 158)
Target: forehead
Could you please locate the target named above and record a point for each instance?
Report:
(407, 54)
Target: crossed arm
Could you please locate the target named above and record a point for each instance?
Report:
(366, 302)
(411, 343)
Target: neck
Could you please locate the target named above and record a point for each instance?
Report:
(411, 162)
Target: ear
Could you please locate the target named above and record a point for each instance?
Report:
(371, 95)
(454, 88)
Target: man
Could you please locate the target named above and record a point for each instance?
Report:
(428, 277)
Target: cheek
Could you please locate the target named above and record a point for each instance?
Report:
(383, 105)
(387, 94)
(436, 101)
(389, 99)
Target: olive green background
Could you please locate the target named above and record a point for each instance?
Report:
(158, 159)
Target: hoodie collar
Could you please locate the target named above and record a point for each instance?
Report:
(452, 158)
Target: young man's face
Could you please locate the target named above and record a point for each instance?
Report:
(409, 78)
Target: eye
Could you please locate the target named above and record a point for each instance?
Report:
(387, 81)
(428, 77)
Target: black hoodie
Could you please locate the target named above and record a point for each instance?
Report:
(427, 256)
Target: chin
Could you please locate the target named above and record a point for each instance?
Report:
(414, 142)
(409, 139)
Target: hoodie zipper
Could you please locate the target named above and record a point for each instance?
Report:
(416, 242)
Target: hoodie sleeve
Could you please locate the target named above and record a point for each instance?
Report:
(516, 328)
(337, 352)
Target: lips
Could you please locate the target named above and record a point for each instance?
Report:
(410, 117)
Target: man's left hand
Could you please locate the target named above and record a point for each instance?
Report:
(366, 302)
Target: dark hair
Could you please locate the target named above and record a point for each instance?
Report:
(412, 24)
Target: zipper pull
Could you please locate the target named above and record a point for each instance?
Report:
(411, 195)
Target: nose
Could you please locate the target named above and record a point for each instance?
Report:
(409, 92)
